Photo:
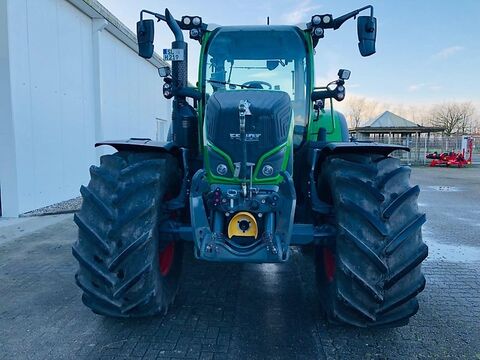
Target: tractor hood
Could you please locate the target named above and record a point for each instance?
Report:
(268, 122)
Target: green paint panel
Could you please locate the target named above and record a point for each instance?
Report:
(330, 121)
(212, 178)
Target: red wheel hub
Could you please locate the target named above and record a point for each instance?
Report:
(329, 264)
(166, 258)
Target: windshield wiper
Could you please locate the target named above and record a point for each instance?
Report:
(229, 83)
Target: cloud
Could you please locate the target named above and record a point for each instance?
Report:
(422, 86)
(447, 52)
(436, 87)
(301, 13)
(263, 74)
(416, 87)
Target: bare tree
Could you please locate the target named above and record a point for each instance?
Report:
(356, 106)
(453, 117)
(476, 124)
(359, 109)
(417, 114)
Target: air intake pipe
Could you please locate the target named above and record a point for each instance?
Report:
(184, 117)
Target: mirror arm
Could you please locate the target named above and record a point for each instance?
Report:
(190, 92)
(161, 17)
(158, 16)
(173, 24)
(340, 20)
(322, 95)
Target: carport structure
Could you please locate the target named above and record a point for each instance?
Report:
(393, 129)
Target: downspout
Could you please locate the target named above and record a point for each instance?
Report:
(97, 27)
(8, 152)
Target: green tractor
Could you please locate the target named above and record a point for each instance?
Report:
(255, 163)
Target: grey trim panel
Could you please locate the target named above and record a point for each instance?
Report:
(361, 147)
(139, 144)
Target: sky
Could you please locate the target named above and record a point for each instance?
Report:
(428, 51)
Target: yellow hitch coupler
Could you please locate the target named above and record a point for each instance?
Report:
(243, 224)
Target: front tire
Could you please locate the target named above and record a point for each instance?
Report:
(371, 275)
(126, 268)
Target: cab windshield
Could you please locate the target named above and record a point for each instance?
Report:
(268, 58)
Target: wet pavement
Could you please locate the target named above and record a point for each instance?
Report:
(250, 311)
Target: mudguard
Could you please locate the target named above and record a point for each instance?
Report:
(140, 144)
(318, 151)
(148, 145)
(357, 147)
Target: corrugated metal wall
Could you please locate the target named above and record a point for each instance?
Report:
(71, 84)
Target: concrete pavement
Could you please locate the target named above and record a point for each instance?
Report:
(250, 311)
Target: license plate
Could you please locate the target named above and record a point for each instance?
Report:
(173, 55)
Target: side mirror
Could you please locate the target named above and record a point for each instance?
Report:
(367, 34)
(145, 36)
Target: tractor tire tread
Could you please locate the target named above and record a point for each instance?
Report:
(142, 240)
(374, 221)
(364, 248)
(91, 267)
(399, 200)
(400, 271)
(405, 233)
(118, 243)
(101, 205)
(349, 271)
(89, 234)
(379, 248)
(368, 186)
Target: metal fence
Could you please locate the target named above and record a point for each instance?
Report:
(422, 145)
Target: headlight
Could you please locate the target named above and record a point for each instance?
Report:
(316, 20)
(318, 31)
(272, 165)
(196, 21)
(222, 169)
(194, 33)
(267, 170)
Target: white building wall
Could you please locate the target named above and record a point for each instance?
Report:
(130, 113)
(70, 84)
(8, 166)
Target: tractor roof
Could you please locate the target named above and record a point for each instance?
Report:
(258, 42)
(236, 28)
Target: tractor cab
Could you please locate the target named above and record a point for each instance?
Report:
(267, 69)
(272, 58)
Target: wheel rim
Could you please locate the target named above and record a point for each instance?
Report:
(166, 258)
(329, 264)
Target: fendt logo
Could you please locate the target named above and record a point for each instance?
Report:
(248, 137)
